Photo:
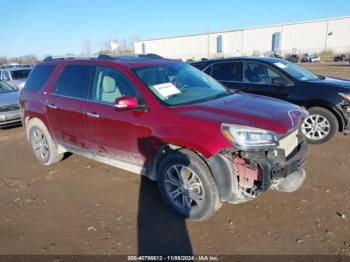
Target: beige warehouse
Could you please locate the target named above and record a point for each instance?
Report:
(310, 36)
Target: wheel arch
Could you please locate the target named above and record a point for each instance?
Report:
(218, 165)
(334, 110)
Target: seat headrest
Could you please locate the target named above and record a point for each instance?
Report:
(108, 84)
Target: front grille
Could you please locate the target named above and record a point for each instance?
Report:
(9, 108)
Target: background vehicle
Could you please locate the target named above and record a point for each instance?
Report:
(293, 58)
(10, 113)
(327, 99)
(15, 76)
(168, 121)
(340, 58)
(311, 58)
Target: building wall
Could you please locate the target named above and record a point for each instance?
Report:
(313, 36)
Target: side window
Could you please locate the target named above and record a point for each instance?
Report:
(261, 74)
(6, 76)
(255, 73)
(109, 85)
(38, 77)
(73, 81)
(228, 71)
(208, 70)
(275, 77)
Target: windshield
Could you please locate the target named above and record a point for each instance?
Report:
(5, 88)
(20, 74)
(296, 71)
(179, 84)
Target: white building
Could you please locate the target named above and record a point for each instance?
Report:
(297, 38)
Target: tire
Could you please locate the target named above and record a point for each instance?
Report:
(44, 148)
(203, 198)
(322, 123)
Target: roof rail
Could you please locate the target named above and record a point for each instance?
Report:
(107, 57)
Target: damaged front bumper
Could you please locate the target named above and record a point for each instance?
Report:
(343, 110)
(257, 171)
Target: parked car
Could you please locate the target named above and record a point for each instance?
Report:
(275, 55)
(10, 113)
(310, 58)
(293, 58)
(327, 99)
(15, 76)
(340, 58)
(164, 119)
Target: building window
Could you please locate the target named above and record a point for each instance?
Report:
(143, 48)
(219, 43)
(276, 42)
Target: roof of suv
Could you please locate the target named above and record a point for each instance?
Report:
(128, 61)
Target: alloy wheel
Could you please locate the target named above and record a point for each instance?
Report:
(184, 188)
(39, 144)
(316, 127)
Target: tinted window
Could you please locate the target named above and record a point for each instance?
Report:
(208, 70)
(20, 74)
(38, 77)
(73, 81)
(260, 74)
(229, 71)
(109, 85)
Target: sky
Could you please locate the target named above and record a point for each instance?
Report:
(58, 27)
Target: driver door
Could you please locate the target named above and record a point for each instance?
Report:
(261, 79)
(112, 133)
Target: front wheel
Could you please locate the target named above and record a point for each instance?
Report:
(188, 186)
(320, 126)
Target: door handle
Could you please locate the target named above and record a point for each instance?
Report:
(92, 115)
(52, 106)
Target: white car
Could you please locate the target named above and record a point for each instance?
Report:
(15, 76)
(312, 58)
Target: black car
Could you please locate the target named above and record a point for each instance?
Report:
(327, 99)
(293, 58)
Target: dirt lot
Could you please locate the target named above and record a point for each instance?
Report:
(80, 206)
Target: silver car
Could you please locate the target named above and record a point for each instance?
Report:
(15, 76)
(10, 113)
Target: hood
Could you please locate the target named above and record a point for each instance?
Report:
(334, 82)
(250, 110)
(9, 98)
(17, 83)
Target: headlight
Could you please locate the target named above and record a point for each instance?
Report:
(345, 96)
(245, 137)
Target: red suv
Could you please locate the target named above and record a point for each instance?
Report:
(203, 144)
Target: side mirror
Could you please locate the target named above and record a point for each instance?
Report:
(127, 102)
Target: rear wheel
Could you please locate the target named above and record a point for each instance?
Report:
(320, 126)
(188, 186)
(42, 144)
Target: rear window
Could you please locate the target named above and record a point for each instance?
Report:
(38, 77)
(20, 74)
(73, 81)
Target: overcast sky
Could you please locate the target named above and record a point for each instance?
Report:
(57, 27)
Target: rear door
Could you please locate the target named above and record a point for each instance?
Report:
(228, 73)
(66, 105)
(111, 133)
